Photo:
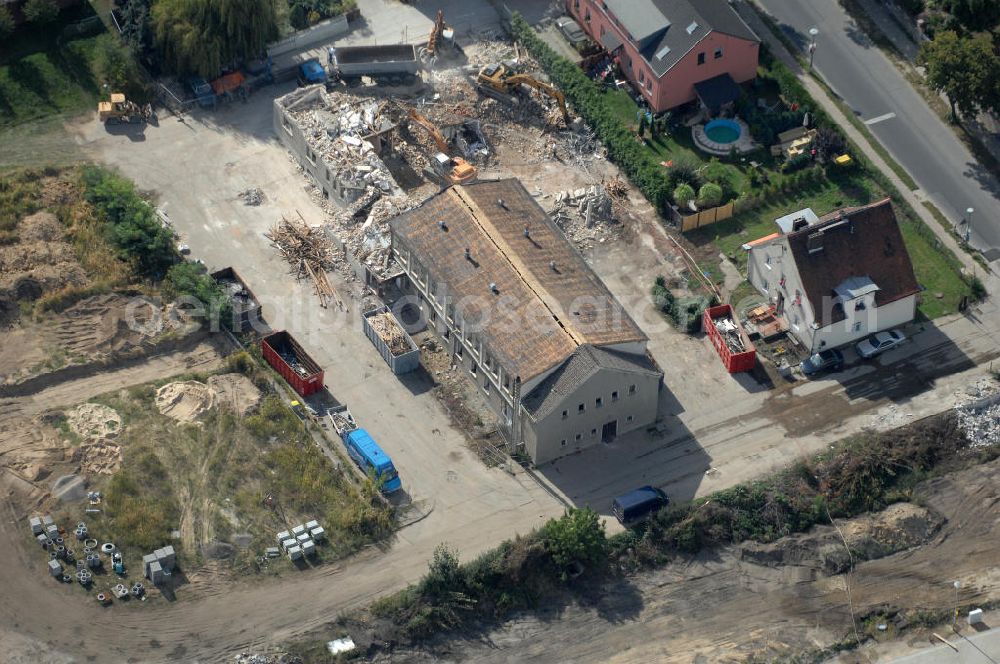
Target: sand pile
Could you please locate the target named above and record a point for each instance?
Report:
(94, 422)
(185, 401)
(235, 392)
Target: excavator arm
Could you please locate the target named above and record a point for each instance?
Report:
(542, 87)
(442, 144)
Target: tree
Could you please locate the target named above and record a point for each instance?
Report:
(975, 14)
(575, 538)
(965, 69)
(201, 36)
(444, 573)
(6, 23)
(41, 12)
(683, 194)
(709, 195)
(113, 63)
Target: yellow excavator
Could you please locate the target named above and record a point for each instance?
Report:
(501, 83)
(454, 169)
(119, 110)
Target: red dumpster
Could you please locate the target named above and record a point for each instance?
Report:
(287, 357)
(734, 347)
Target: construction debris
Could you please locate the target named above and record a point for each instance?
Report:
(308, 250)
(730, 333)
(980, 424)
(252, 196)
(385, 325)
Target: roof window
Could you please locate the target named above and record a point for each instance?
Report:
(691, 28)
(662, 53)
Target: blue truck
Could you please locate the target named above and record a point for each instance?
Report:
(364, 451)
(312, 72)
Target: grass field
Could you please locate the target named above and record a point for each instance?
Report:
(42, 74)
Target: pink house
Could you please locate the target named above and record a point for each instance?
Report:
(674, 51)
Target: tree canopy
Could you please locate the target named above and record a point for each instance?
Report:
(966, 69)
(202, 36)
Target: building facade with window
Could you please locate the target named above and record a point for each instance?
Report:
(668, 48)
(836, 278)
(551, 350)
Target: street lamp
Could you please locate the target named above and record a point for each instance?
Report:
(968, 225)
(957, 584)
(812, 45)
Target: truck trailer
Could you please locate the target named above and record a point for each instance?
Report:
(376, 61)
(284, 353)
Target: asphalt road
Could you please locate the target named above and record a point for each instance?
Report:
(982, 648)
(896, 114)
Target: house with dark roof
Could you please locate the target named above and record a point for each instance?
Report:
(836, 278)
(552, 351)
(674, 51)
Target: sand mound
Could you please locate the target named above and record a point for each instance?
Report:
(235, 391)
(94, 422)
(185, 401)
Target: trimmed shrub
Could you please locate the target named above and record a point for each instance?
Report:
(683, 194)
(709, 195)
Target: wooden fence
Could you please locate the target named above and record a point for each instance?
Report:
(706, 217)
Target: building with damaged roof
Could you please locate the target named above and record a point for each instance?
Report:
(554, 353)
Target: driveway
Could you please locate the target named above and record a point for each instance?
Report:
(896, 114)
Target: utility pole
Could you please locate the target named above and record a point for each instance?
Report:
(812, 45)
(968, 225)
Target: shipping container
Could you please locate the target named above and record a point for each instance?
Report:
(246, 307)
(287, 357)
(734, 347)
(387, 60)
(393, 343)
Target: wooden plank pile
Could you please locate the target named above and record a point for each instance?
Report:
(393, 336)
(309, 252)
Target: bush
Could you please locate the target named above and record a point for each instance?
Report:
(709, 195)
(191, 286)
(686, 170)
(41, 12)
(796, 163)
(683, 194)
(131, 224)
(6, 23)
(113, 63)
(575, 539)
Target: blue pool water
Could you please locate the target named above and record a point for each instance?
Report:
(723, 131)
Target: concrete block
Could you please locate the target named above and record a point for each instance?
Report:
(47, 521)
(976, 617)
(304, 537)
(52, 531)
(272, 552)
(298, 530)
(312, 524)
(318, 534)
(309, 548)
(282, 536)
(288, 543)
(55, 568)
(155, 575)
(295, 553)
(167, 558)
(147, 561)
(36, 525)
(43, 540)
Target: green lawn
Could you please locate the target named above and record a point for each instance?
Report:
(42, 76)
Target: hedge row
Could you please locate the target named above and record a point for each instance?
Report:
(590, 102)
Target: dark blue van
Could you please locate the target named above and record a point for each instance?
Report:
(638, 504)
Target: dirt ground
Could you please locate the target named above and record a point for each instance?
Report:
(772, 600)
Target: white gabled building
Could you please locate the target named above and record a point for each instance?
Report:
(836, 278)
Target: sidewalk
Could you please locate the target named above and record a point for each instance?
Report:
(818, 93)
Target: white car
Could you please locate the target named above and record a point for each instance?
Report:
(879, 342)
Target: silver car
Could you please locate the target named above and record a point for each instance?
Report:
(879, 342)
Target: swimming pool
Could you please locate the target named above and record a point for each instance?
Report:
(723, 131)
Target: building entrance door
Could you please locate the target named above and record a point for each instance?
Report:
(609, 431)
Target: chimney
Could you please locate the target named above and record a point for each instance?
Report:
(527, 231)
(443, 226)
(799, 224)
(468, 254)
(493, 287)
(502, 204)
(552, 266)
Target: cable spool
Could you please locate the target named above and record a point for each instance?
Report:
(107, 547)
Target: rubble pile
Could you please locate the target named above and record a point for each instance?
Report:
(981, 425)
(252, 196)
(365, 229)
(589, 214)
(336, 126)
